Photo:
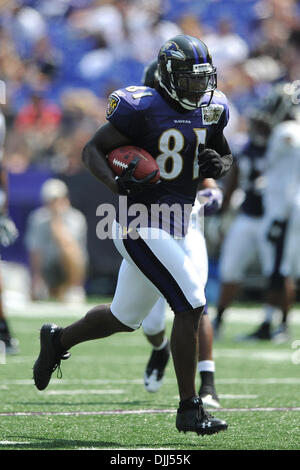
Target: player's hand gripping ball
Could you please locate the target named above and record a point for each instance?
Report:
(135, 169)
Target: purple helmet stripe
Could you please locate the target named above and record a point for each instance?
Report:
(196, 53)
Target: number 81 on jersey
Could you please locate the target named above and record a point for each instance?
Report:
(170, 160)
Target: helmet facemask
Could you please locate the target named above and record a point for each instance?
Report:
(192, 88)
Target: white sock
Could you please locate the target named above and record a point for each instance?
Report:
(163, 344)
(269, 311)
(206, 366)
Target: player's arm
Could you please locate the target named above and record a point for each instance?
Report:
(106, 138)
(216, 159)
(230, 186)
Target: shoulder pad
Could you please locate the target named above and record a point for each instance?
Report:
(219, 97)
(138, 97)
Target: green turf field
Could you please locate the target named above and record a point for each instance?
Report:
(100, 403)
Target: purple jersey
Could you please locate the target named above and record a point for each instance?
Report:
(170, 136)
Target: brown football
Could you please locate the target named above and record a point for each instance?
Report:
(120, 158)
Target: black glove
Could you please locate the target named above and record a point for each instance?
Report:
(128, 184)
(211, 164)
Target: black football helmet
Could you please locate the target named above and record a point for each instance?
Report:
(150, 75)
(278, 106)
(186, 71)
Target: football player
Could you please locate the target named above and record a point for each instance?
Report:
(262, 227)
(180, 124)
(280, 228)
(208, 202)
(8, 235)
(243, 241)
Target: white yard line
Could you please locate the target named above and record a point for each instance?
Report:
(270, 355)
(255, 381)
(52, 310)
(139, 412)
(82, 392)
(7, 443)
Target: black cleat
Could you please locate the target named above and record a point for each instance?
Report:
(191, 416)
(155, 369)
(262, 333)
(49, 357)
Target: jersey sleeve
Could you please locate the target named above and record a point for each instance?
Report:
(123, 115)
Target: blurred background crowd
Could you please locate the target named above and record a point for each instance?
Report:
(60, 59)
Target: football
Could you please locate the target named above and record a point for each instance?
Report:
(120, 158)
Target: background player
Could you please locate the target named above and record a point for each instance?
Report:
(8, 235)
(242, 244)
(280, 231)
(188, 113)
(246, 239)
(154, 323)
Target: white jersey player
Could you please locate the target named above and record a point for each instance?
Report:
(262, 224)
(281, 220)
(8, 235)
(282, 181)
(243, 241)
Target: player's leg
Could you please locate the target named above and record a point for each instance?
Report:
(11, 344)
(276, 296)
(133, 299)
(191, 415)
(154, 330)
(289, 270)
(155, 261)
(184, 347)
(171, 270)
(206, 363)
(238, 249)
(195, 246)
(228, 293)
(281, 333)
